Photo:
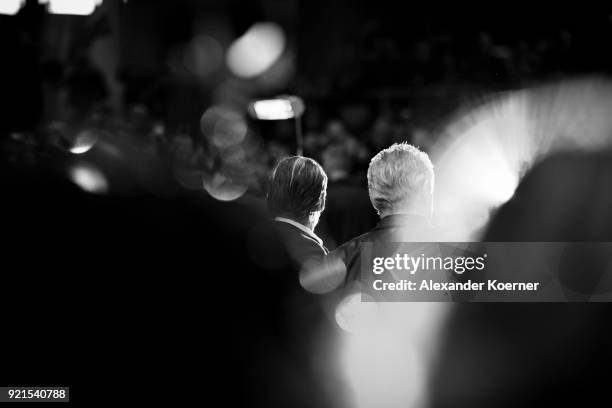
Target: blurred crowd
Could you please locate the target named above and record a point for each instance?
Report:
(226, 153)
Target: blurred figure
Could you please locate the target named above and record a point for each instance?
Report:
(533, 355)
(296, 199)
(348, 211)
(400, 184)
(246, 324)
(568, 194)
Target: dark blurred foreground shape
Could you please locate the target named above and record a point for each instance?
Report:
(133, 298)
(535, 355)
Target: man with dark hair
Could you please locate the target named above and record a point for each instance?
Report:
(296, 199)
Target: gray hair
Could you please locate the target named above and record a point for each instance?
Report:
(397, 174)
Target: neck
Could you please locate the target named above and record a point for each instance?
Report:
(418, 211)
(313, 220)
(308, 224)
(419, 214)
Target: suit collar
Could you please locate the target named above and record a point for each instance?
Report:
(309, 233)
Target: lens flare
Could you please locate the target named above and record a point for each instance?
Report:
(483, 154)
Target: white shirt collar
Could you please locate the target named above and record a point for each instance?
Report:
(301, 227)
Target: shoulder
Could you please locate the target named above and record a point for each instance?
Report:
(357, 240)
(299, 245)
(350, 247)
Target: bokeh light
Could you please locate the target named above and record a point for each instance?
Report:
(11, 7)
(72, 7)
(273, 109)
(83, 142)
(224, 188)
(89, 178)
(256, 51)
(223, 126)
(322, 276)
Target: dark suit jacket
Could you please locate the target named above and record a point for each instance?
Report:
(393, 228)
(299, 245)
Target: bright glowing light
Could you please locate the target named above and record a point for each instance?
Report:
(11, 7)
(281, 108)
(256, 51)
(383, 370)
(484, 153)
(72, 7)
(354, 315)
(479, 162)
(83, 143)
(273, 109)
(387, 361)
(89, 178)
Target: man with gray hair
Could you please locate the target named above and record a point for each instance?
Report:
(400, 185)
(401, 181)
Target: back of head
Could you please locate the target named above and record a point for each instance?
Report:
(400, 179)
(297, 188)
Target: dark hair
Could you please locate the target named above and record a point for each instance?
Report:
(297, 188)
